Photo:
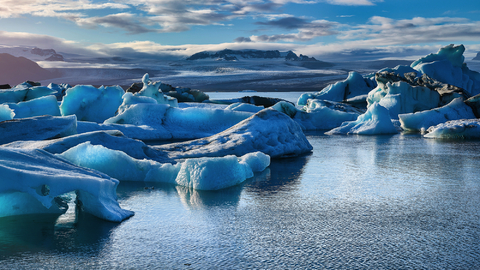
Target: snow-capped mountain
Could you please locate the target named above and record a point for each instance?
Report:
(32, 53)
(477, 57)
(237, 55)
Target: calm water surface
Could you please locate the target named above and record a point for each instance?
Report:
(356, 202)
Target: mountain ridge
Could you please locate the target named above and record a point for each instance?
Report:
(237, 55)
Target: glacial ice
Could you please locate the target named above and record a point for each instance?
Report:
(187, 123)
(244, 107)
(375, 121)
(198, 173)
(112, 139)
(318, 114)
(6, 113)
(37, 128)
(24, 92)
(401, 98)
(447, 66)
(42, 176)
(129, 99)
(91, 104)
(268, 131)
(152, 90)
(355, 85)
(46, 105)
(141, 132)
(421, 121)
(455, 129)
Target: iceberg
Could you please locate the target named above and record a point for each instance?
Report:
(421, 121)
(129, 99)
(46, 105)
(141, 132)
(37, 128)
(375, 121)
(355, 85)
(40, 177)
(91, 104)
(447, 66)
(455, 129)
(187, 123)
(319, 114)
(245, 107)
(112, 139)
(198, 173)
(24, 92)
(268, 131)
(152, 90)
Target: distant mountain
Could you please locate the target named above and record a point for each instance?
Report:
(33, 53)
(477, 57)
(15, 70)
(237, 55)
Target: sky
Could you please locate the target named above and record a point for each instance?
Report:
(175, 29)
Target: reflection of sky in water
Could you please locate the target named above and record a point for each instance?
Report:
(356, 202)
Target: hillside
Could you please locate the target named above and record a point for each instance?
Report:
(15, 70)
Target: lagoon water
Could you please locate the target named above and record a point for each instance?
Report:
(356, 202)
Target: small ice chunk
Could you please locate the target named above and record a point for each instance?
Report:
(6, 113)
(46, 105)
(455, 129)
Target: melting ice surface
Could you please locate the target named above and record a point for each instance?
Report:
(355, 202)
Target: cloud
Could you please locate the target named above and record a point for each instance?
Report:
(387, 31)
(306, 30)
(287, 23)
(353, 2)
(126, 21)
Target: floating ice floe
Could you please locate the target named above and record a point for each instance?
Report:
(37, 128)
(421, 121)
(198, 173)
(92, 104)
(112, 139)
(456, 129)
(319, 114)
(355, 85)
(268, 131)
(375, 121)
(33, 181)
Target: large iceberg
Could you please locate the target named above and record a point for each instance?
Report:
(37, 128)
(24, 92)
(375, 121)
(92, 104)
(447, 66)
(187, 123)
(198, 173)
(268, 131)
(33, 181)
(421, 121)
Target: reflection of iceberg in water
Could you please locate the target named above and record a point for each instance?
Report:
(193, 198)
(70, 232)
(282, 174)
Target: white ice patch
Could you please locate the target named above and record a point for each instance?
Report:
(44, 177)
(244, 107)
(6, 113)
(152, 90)
(456, 129)
(421, 121)
(375, 121)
